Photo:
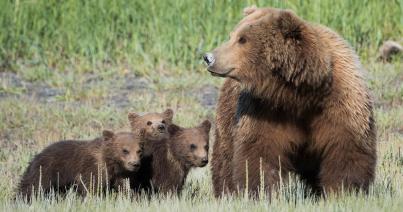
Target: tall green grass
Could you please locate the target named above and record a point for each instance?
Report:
(146, 34)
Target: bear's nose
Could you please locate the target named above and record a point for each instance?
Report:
(209, 59)
(134, 164)
(161, 127)
(205, 160)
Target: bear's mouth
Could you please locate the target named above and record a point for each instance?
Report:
(158, 135)
(132, 168)
(225, 74)
(220, 74)
(202, 164)
(217, 74)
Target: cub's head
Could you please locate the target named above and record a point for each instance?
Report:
(126, 148)
(271, 46)
(155, 124)
(190, 145)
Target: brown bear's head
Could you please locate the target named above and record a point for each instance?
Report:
(156, 124)
(190, 145)
(125, 148)
(270, 47)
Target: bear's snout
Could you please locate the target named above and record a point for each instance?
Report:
(204, 161)
(216, 67)
(209, 59)
(134, 165)
(161, 128)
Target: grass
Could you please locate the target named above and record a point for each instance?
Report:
(87, 49)
(145, 35)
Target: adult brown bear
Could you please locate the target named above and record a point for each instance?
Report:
(294, 100)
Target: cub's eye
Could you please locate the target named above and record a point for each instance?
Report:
(242, 40)
(149, 123)
(206, 147)
(125, 151)
(192, 146)
(139, 152)
(163, 121)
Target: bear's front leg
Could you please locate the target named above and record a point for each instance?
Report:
(348, 156)
(216, 166)
(221, 163)
(120, 184)
(261, 156)
(257, 169)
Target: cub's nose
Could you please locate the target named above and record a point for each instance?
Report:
(134, 164)
(205, 160)
(161, 127)
(209, 59)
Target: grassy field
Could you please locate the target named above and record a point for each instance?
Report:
(69, 69)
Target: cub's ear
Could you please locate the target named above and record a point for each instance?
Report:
(290, 25)
(249, 10)
(206, 125)
(108, 135)
(132, 117)
(173, 129)
(168, 114)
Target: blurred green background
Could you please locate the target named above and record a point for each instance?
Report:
(150, 33)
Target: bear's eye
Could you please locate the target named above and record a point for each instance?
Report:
(125, 151)
(206, 147)
(242, 40)
(192, 146)
(149, 123)
(163, 121)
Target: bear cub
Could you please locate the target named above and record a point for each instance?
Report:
(155, 124)
(86, 166)
(166, 162)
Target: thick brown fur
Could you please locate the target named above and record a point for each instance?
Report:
(155, 124)
(88, 166)
(295, 100)
(165, 166)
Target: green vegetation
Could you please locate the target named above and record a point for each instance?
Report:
(154, 33)
(69, 69)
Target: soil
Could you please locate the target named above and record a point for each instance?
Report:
(119, 89)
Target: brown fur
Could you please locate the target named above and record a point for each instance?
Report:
(87, 166)
(388, 50)
(166, 167)
(295, 99)
(155, 124)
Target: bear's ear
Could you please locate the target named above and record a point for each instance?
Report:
(206, 125)
(168, 114)
(108, 135)
(132, 117)
(249, 10)
(290, 25)
(173, 129)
